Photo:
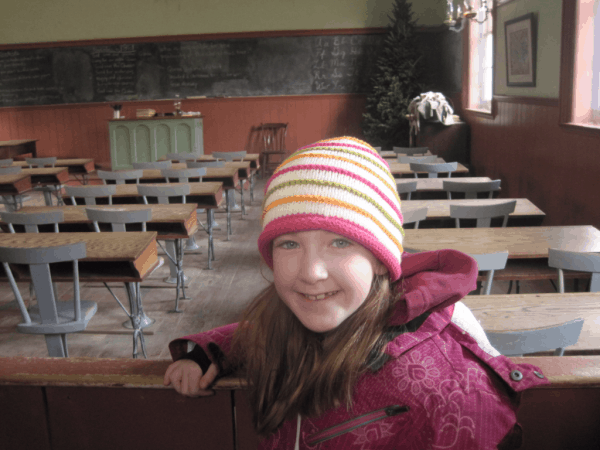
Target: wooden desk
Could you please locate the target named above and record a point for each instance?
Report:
(128, 393)
(15, 184)
(399, 169)
(121, 257)
(47, 175)
(11, 149)
(436, 184)
(521, 242)
(439, 210)
(174, 221)
(526, 311)
(390, 154)
(74, 165)
(254, 159)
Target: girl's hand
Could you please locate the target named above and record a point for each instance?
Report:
(187, 378)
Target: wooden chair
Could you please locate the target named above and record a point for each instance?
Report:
(90, 193)
(54, 319)
(411, 151)
(174, 248)
(153, 165)
(120, 177)
(490, 262)
(414, 216)
(518, 343)
(272, 145)
(483, 213)
(229, 156)
(416, 159)
(407, 188)
(198, 164)
(433, 169)
(471, 190)
(578, 261)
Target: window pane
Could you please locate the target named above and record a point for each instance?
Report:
(481, 65)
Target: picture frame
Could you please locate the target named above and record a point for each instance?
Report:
(521, 45)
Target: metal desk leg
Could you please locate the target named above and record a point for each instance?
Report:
(242, 198)
(228, 193)
(252, 186)
(133, 295)
(47, 198)
(145, 321)
(209, 225)
(180, 276)
(171, 252)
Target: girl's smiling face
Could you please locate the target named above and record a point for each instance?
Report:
(322, 277)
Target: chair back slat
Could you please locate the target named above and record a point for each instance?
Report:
(31, 221)
(183, 175)
(470, 189)
(410, 151)
(416, 159)
(433, 169)
(198, 164)
(407, 188)
(153, 165)
(6, 162)
(522, 342)
(414, 216)
(90, 193)
(576, 261)
(119, 218)
(483, 213)
(12, 170)
(41, 162)
(163, 192)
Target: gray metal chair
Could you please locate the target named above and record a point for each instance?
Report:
(483, 213)
(490, 262)
(407, 188)
(174, 248)
(6, 162)
(51, 318)
(522, 342)
(120, 177)
(411, 151)
(416, 159)
(182, 156)
(414, 216)
(471, 189)
(377, 149)
(229, 156)
(13, 202)
(41, 162)
(153, 165)
(198, 164)
(433, 169)
(578, 261)
(90, 193)
(31, 221)
(182, 175)
(118, 219)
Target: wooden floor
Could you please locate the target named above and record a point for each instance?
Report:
(217, 296)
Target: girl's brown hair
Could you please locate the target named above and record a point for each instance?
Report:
(292, 370)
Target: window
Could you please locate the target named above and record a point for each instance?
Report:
(481, 64)
(581, 104)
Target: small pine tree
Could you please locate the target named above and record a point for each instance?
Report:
(396, 81)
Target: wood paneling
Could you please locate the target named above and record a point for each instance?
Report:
(81, 130)
(555, 167)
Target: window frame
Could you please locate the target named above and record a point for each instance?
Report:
(567, 70)
(467, 78)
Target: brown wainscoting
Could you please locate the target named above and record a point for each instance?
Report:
(81, 130)
(555, 167)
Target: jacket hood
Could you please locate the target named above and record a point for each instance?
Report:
(432, 281)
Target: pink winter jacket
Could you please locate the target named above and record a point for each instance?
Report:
(443, 387)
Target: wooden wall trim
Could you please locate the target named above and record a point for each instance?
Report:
(541, 101)
(194, 37)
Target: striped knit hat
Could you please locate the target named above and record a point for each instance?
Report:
(340, 185)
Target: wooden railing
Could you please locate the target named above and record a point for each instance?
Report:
(90, 403)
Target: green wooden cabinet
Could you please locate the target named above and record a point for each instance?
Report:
(145, 140)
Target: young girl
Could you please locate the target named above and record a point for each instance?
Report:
(357, 345)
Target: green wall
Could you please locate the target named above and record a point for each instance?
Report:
(64, 20)
(548, 14)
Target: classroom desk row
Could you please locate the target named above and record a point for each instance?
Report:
(46, 405)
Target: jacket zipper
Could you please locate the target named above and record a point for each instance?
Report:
(357, 422)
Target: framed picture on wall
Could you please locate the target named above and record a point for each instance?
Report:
(521, 41)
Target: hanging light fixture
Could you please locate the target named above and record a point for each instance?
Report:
(456, 18)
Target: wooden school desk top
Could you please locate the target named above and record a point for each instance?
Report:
(16, 142)
(229, 176)
(206, 194)
(173, 221)
(436, 184)
(404, 169)
(527, 311)
(14, 183)
(124, 257)
(47, 175)
(440, 209)
(521, 242)
(74, 165)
